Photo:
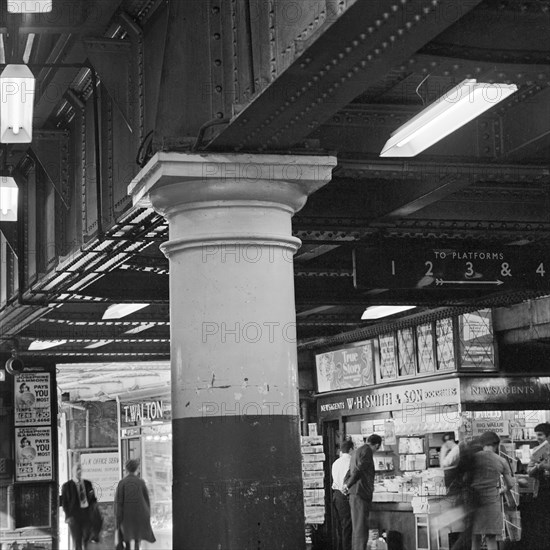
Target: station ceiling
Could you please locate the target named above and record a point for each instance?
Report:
(383, 231)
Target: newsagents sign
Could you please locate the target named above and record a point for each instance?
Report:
(395, 398)
(507, 391)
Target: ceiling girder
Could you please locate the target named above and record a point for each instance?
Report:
(116, 62)
(333, 71)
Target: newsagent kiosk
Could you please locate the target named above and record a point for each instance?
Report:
(411, 385)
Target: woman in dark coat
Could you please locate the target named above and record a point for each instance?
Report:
(488, 467)
(132, 507)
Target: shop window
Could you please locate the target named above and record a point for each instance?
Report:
(476, 340)
(33, 505)
(425, 346)
(445, 345)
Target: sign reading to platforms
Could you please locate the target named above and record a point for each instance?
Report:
(504, 268)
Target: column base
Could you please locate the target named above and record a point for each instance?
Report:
(240, 476)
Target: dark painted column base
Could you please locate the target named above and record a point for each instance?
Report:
(237, 483)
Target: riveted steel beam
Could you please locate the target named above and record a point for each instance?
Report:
(334, 70)
(116, 63)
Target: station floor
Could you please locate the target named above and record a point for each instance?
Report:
(164, 541)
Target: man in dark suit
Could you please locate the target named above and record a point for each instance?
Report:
(360, 485)
(77, 498)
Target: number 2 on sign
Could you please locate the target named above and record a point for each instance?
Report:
(429, 272)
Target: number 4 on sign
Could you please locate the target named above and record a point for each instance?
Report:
(540, 270)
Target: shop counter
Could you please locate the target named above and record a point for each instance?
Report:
(394, 516)
(414, 518)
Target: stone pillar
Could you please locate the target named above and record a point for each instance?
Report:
(236, 447)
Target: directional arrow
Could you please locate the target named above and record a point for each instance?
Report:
(440, 282)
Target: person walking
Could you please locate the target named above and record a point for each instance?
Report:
(132, 508)
(488, 467)
(77, 498)
(449, 456)
(340, 501)
(360, 485)
(537, 526)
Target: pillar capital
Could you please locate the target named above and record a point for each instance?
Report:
(172, 181)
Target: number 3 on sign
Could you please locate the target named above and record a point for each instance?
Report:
(540, 269)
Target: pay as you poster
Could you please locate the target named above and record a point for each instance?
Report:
(32, 399)
(33, 454)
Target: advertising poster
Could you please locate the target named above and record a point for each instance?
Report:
(389, 433)
(32, 399)
(481, 425)
(103, 470)
(475, 331)
(388, 358)
(346, 368)
(407, 355)
(33, 451)
(445, 344)
(425, 344)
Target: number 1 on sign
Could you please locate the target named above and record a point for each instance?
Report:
(540, 269)
(393, 267)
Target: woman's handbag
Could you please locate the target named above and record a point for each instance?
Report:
(96, 522)
(512, 522)
(119, 539)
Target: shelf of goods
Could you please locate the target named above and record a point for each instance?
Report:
(313, 459)
(405, 487)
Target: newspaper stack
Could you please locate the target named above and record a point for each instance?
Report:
(541, 453)
(313, 476)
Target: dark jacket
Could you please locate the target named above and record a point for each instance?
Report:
(133, 510)
(361, 473)
(70, 499)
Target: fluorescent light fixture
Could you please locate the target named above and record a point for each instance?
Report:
(28, 47)
(377, 312)
(140, 328)
(30, 6)
(463, 103)
(98, 344)
(16, 104)
(38, 345)
(8, 199)
(2, 51)
(117, 311)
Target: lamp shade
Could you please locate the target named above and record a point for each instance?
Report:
(377, 312)
(30, 6)
(458, 106)
(117, 311)
(8, 199)
(16, 104)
